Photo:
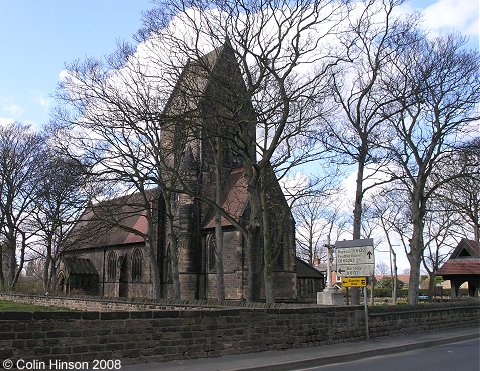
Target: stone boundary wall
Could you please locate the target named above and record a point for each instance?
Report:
(163, 335)
(408, 319)
(92, 304)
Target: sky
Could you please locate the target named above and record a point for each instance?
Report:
(38, 38)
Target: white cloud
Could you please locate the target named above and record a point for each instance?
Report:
(42, 101)
(10, 108)
(449, 15)
(6, 121)
(295, 183)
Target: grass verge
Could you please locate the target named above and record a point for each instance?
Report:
(11, 306)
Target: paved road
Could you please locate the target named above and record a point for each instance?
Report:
(305, 358)
(462, 356)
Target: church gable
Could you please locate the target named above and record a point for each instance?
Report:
(465, 249)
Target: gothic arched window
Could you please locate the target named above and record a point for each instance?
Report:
(112, 265)
(136, 265)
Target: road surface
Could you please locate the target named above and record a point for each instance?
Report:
(461, 356)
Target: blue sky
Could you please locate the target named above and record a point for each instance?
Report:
(38, 37)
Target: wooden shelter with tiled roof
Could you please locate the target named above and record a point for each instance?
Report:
(462, 266)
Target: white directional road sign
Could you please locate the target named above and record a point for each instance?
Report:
(355, 258)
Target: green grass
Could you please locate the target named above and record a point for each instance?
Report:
(11, 306)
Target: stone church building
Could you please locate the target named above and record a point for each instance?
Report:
(107, 254)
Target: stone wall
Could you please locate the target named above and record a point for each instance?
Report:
(166, 335)
(406, 319)
(143, 336)
(94, 304)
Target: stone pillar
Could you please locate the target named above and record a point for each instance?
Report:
(453, 289)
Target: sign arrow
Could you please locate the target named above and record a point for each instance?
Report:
(341, 271)
(369, 254)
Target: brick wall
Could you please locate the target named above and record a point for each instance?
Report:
(142, 336)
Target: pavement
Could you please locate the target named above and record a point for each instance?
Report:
(315, 356)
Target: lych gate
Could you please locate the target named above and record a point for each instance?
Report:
(463, 266)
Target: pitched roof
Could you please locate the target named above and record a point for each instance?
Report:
(305, 270)
(464, 260)
(236, 198)
(465, 266)
(79, 266)
(119, 221)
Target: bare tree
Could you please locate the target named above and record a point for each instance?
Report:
(21, 158)
(440, 226)
(110, 121)
(357, 131)
(392, 217)
(437, 85)
(63, 194)
(284, 71)
(382, 268)
(462, 195)
(319, 220)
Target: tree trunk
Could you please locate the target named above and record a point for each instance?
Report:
(219, 256)
(2, 277)
(12, 262)
(267, 246)
(252, 292)
(174, 257)
(357, 214)
(357, 210)
(46, 271)
(218, 221)
(431, 285)
(51, 274)
(18, 271)
(253, 247)
(394, 278)
(417, 208)
(152, 255)
(415, 259)
(173, 246)
(414, 281)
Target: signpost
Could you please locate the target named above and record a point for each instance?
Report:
(354, 281)
(355, 258)
(356, 261)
